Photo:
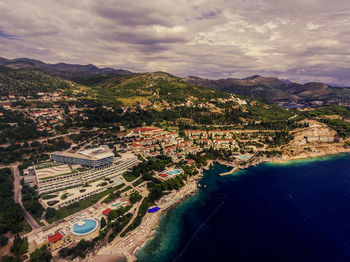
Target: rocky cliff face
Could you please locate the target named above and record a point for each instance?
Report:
(317, 133)
(315, 141)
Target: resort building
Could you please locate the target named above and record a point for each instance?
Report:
(76, 196)
(49, 181)
(93, 158)
(170, 173)
(57, 240)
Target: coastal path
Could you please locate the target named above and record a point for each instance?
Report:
(136, 210)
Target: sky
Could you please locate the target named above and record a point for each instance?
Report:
(300, 40)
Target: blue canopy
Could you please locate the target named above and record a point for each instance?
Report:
(153, 209)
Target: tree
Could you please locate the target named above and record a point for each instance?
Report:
(135, 197)
(20, 246)
(41, 255)
(3, 240)
(35, 144)
(50, 213)
(10, 259)
(103, 222)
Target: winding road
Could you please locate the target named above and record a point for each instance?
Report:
(40, 140)
(18, 197)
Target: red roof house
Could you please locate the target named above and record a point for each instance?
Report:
(106, 212)
(56, 237)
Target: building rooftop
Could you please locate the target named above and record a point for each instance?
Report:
(89, 154)
(107, 211)
(97, 153)
(55, 237)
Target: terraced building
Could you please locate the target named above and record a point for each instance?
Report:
(61, 177)
(92, 158)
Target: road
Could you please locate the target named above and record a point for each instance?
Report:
(18, 197)
(42, 139)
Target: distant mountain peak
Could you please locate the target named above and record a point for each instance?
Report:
(273, 88)
(252, 77)
(64, 70)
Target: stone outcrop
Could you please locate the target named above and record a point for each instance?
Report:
(315, 134)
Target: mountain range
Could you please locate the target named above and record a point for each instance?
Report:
(63, 70)
(273, 89)
(268, 88)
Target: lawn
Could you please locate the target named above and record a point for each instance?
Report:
(78, 206)
(138, 181)
(130, 177)
(126, 189)
(45, 165)
(65, 195)
(49, 196)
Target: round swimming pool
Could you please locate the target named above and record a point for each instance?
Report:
(84, 227)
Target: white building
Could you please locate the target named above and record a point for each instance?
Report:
(96, 157)
(50, 183)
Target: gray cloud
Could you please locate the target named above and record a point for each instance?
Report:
(300, 40)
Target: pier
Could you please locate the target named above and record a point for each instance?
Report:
(230, 172)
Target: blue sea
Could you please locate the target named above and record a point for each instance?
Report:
(299, 211)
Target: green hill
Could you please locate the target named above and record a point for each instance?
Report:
(147, 88)
(22, 82)
(160, 90)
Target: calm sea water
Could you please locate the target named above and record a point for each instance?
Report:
(298, 211)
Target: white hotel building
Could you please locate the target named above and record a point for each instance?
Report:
(50, 183)
(92, 158)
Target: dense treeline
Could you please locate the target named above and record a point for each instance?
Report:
(11, 213)
(342, 127)
(24, 128)
(21, 82)
(41, 255)
(254, 111)
(29, 153)
(80, 250)
(279, 138)
(117, 220)
(30, 200)
(18, 249)
(135, 197)
(327, 110)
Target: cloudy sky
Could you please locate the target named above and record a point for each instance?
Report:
(303, 40)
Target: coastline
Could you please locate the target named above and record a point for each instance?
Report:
(127, 247)
(115, 251)
(241, 193)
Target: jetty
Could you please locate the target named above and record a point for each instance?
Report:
(230, 172)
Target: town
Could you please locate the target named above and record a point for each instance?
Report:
(70, 177)
(92, 179)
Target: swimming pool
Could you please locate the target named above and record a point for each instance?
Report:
(244, 157)
(172, 172)
(175, 171)
(115, 205)
(85, 226)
